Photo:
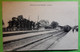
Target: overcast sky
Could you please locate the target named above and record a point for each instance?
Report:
(65, 13)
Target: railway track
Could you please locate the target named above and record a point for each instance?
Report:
(22, 36)
(6, 34)
(29, 43)
(43, 44)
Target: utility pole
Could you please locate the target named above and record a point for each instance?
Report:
(38, 23)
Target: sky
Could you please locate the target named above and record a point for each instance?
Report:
(65, 13)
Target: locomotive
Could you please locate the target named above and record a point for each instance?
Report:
(66, 28)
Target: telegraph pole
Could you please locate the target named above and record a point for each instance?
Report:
(29, 21)
(38, 23)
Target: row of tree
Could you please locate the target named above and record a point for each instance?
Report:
(21, 23)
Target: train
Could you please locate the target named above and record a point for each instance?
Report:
(67, 28)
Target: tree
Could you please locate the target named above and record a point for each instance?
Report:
(20, 22)
(38, 25)
(14, 23)
(54, 24)
(10, 25)
(20, 17)
(33, 24)
(44, 23)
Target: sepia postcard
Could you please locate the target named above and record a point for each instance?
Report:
(40, 26)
